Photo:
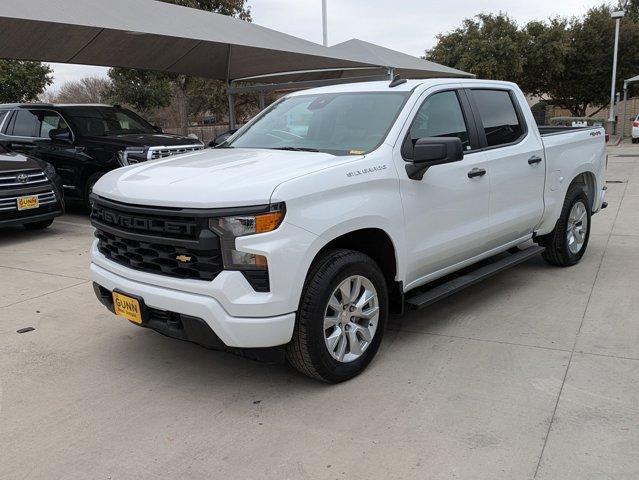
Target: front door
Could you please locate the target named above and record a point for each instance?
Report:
(446, 212)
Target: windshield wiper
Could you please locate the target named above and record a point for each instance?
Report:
(296, 149)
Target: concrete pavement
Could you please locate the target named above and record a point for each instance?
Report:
(531, 374)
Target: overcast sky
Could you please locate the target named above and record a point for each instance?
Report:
(409, 26)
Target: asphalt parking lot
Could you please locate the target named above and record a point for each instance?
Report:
(531, 374)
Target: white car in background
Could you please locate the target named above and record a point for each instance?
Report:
(635, 130)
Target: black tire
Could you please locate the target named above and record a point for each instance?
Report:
(635, 140)
(88, 188)
(557, 251)
(307, 351)
(38, 225)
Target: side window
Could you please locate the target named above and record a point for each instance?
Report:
(25, 124)
(440, 116)
(3, 115)
(499, 117)
(48, 121)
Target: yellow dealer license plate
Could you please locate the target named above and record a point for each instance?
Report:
(127, 307)
(27, 203)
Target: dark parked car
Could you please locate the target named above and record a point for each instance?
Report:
(83, 142)
(30, 192)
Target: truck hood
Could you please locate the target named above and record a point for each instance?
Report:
(212, 178)
(144, 140)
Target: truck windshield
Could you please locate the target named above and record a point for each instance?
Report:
(336, 123)
(106, 121)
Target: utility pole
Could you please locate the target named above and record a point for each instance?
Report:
(324, 23)
(617, 16)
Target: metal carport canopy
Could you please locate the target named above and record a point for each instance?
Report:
(153, 35)
(381, 58)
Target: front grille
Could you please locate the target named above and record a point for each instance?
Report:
(155, 240)
(11, 203)
(156, 153)
(159, 258)
(22, 178)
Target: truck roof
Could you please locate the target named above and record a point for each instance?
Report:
(409, 85)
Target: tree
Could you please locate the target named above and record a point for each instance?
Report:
(142, 89)
(87, 90)
(23, 81)
(569, 61)
(585, 79)
(190, 96)
(489, 46)
(232, 8)
(544, 52)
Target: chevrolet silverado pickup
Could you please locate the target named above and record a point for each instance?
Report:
(337, 206)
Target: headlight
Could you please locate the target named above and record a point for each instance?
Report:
(48, 169)
(229, 228)
(130, 156)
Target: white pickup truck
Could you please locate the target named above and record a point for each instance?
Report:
(337, 206)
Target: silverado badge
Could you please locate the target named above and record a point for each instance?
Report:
(183, 258)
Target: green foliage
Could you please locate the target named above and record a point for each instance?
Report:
(142, 89)
(490, 46)
(23, 81)
(570, 61)
(232, 8)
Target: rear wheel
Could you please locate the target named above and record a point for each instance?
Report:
(341, 319)
(38, 225)
(567, 243)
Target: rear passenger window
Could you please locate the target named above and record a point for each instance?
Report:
(499, 117)
(440, 116)
(49, 121)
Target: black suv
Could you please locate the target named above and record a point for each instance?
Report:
(30, 192)
(83, 142)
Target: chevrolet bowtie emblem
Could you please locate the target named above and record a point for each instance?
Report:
(183, 258)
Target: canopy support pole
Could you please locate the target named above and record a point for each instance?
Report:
(625, 110)
(229, 90)
(231, 108)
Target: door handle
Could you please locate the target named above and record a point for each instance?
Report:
(534, 160)
(476, 172)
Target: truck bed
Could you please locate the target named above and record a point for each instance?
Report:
(546, 130)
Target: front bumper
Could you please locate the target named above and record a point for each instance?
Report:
(41, 217)
(232, 331)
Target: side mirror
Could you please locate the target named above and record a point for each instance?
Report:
(62, 135)
(220, 139)
(157, 129)
(432, 151)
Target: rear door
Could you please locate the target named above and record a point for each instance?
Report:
(515, 155)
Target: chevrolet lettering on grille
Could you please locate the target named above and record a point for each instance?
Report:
(144, 224)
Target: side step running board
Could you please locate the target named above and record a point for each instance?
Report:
(426, 298)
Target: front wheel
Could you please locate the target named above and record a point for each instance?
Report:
(567, 243)
(341, 319)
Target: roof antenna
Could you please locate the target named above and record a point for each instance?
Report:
(396, 82)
